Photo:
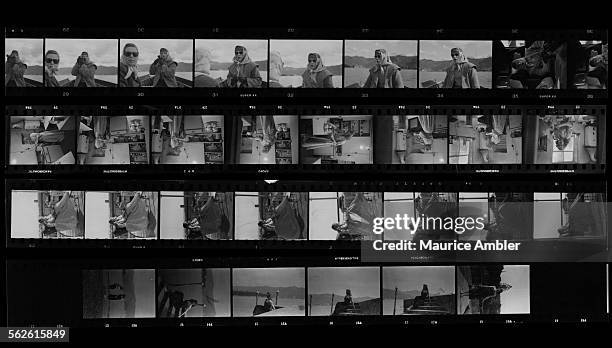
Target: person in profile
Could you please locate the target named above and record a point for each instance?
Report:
(52, 60)
(461, 73)
(385, 74)
(128, 66)
(163, 70)
(268, 303)
(14, 68)
(84, 70)
(202, 69)
(316, 74)
(276, 70)
(243, 73)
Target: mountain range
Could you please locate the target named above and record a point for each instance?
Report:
(483, 64)
(325, 299)
(284, 292)
(335, 70)
(404, 62)
(35, 70)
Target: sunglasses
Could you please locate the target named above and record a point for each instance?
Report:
(455, 54)
(239, 52)
(130, 54)
(51, 60)
(312, 60)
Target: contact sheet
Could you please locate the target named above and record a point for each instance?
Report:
(204, 177)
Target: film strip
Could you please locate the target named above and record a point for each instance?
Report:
(553, 221)
(299, 63)
(289, 142)
(210, 293)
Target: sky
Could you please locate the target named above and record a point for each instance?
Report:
(439, 50)
(363, 281)
(103, 52)
(407, 278)
(148, 49)
(295, 52)
(279, 277)
(30, 50)
(365, 48)
(515, 300)
(222, 51)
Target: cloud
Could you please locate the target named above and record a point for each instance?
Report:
(102, 52)
(295, 52)
(363, 281)
(30, 50)
(222, 51)
(280, 277)
(365, 48)
(440, 49)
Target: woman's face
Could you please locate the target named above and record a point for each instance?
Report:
(312, 61)
(52, 61)
(131, 55)
(457, 56)
(239, 54)
(163, 54)
(378, 57)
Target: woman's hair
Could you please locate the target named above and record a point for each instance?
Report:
(129, 44)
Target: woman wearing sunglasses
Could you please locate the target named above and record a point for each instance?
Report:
(128, 67)
(243, 73)
(461, 73)
(316, 74)
(52, 60)
(384, 74)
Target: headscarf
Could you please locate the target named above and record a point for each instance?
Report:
(132, 69)
(245, 56)
(202, 61)
(385, 59)
(276, 66)
(318, 68)
(168, 58)
(462, 58)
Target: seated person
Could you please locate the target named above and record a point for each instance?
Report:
(268, 304)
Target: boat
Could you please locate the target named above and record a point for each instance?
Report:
(344, 309)
(427, 306)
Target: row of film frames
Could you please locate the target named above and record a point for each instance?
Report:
(210, 292)
(268, 62)
(279, 141)
(553, 220)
